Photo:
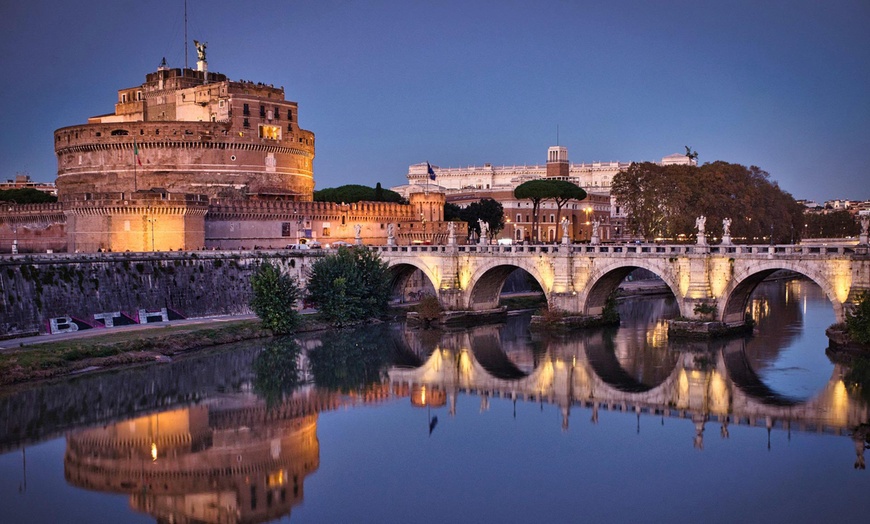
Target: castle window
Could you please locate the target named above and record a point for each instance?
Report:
(270, 132)
(124, 98)
(289, 114)
(262, 111)
(246, 110)
(245, 123)
(286, 229)
(289, 128)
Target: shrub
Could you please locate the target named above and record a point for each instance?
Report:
(274, 298)
(349, 286)
(858, 320)
(429, 309)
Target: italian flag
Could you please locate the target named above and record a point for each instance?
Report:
(136, 152)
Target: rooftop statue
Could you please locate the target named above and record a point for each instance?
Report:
(200, 49)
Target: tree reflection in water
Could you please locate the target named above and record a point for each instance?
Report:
(276, 370)
(349, 361)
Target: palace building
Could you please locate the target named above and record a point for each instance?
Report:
(465, 185)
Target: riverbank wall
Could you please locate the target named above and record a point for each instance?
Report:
(57, 292)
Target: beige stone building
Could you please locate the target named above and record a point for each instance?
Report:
(464, 185)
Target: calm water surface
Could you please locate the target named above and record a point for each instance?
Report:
(484, 425)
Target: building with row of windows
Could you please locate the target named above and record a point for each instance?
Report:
(465, 185)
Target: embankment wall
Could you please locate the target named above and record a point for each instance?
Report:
(36, 288)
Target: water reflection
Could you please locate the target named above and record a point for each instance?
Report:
(229, 461)
(233, 436)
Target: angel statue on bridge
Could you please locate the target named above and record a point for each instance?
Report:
(700, 222)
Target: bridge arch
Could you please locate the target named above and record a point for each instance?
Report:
(604, 280)
(401, 273)
(735, 298)
(487, 280)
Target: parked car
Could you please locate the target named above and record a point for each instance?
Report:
(298, 247)
(314, 244)
(339, 243)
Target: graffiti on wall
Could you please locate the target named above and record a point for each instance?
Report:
(69, 324)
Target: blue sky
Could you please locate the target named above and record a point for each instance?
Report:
(384, 84)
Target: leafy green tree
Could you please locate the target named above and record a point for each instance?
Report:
(536, 191)
(350, 286)
(488, 210)
(274, 297)
(351, 193)
(564, 192)
(560, 191)
(26, 195)
(452, 212)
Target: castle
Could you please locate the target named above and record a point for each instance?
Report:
(192, 160)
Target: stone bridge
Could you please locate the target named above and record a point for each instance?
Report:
(579, 278)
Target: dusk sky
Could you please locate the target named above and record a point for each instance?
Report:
(385, 84)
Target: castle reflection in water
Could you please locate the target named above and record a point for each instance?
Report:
(237, 456)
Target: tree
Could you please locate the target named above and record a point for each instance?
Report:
(351, 193)
(536, 191)
(836, 224)
(858, 320)
(560, 191)
(26, 195)
(274, 297)
(488, 210)
(564, 192)
(663, 201)
(350, 286)
(452, 212)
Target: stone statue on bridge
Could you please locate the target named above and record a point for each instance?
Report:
(358, 234)
(451, 233)
(391, 238)
(865, 228)
(484, 230)
(726, 231)
(700, 223)
(596, 225)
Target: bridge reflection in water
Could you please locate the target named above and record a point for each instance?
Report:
(638, 371)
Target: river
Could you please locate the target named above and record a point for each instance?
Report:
(491, 424)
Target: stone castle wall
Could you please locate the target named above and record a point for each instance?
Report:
(35, 289)
(208, 158)
(34, 228)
